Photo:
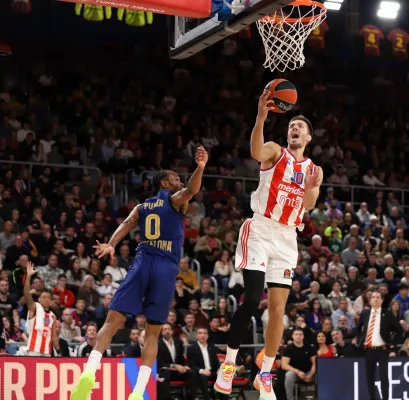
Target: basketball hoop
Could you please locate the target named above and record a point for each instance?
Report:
(284, 33)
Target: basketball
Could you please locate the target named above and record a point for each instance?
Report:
(283, 93)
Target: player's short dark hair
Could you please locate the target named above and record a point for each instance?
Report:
(61, 276)
(306, 120)
(158, 178)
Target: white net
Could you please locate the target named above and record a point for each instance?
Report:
(284, 34)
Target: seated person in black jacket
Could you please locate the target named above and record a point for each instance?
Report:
(204, 369)
(133, 349)
(171, 361)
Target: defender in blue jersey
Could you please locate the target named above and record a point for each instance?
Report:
(150, 283)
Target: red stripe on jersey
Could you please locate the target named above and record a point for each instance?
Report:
(244, 243)
(275, 181)
(33, 338)
(44, 338)
(288, 208)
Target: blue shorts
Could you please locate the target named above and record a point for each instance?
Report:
(148, 289)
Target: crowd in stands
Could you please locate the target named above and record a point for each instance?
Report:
(113, 121)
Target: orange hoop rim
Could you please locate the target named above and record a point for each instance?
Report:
(307, 3)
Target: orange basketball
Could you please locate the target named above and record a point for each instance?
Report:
(283, 93)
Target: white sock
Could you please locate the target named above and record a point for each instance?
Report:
(267, 364)
(143, 378)
(231, 355)
(94, 360)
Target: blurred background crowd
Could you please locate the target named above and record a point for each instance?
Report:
(79, 142)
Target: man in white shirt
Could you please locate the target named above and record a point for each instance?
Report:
(204, 363)
(373, 332)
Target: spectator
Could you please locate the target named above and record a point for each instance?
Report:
(222, 308)
(205, 296)
(299, 363)
(217, 336)
(333, 211)
(297, 298)
(343, 310)
(363, 214)
(208, 249)
(118, 274)
(182, 295)
(343, 349)
(191, 236)
(101, 311)
(317, 248)
(107, 286)
(67, 298)
(133, 348)
(8, 307)
(320, 266)
(13, 333)
(324, 350)
(334, 242)
(395, 217)
(320, 213)
(94, 270)
(6, 238)
(402, 297)
(14, 252)
(124, 260)
(325, 304)
(201, 318)
(75, 275)
(370, 179)
(190, 329)
(222, 270)
(315, 315)
(301, 277)
(336, 263)
(88, 293)
(203, 361)
(85, 348)
(188, 276)
(350, 255)
(404, 351)
(391, 281)
(82, 255)
(327, 328)
(49, 274)
(290, 316)
(80, 315)
(354, 287)
(343, 326)
(363, 301)
(69, 330)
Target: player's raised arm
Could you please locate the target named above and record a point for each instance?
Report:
(260, 151)
(27, 287)
(313, 180)
(131, 222)
(183, 196)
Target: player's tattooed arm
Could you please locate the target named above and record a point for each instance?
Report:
(182, 197)
(127, 225)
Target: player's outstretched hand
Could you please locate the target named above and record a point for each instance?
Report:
(313, 178)
(201, 156)
(103, 249)
(30, 269)
(265, 105)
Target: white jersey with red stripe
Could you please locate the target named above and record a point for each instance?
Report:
(40, 330)
(280, 193)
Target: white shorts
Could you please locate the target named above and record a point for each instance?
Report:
(37, 354)
(269, 246)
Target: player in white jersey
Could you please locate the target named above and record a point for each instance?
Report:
(267, 246)
(40, 321)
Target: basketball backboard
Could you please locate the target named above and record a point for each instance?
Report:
(188, 36)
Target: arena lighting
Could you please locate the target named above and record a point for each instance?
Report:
(332, 5)
(388, 9)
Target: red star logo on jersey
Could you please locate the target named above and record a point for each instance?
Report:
(262, 264)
